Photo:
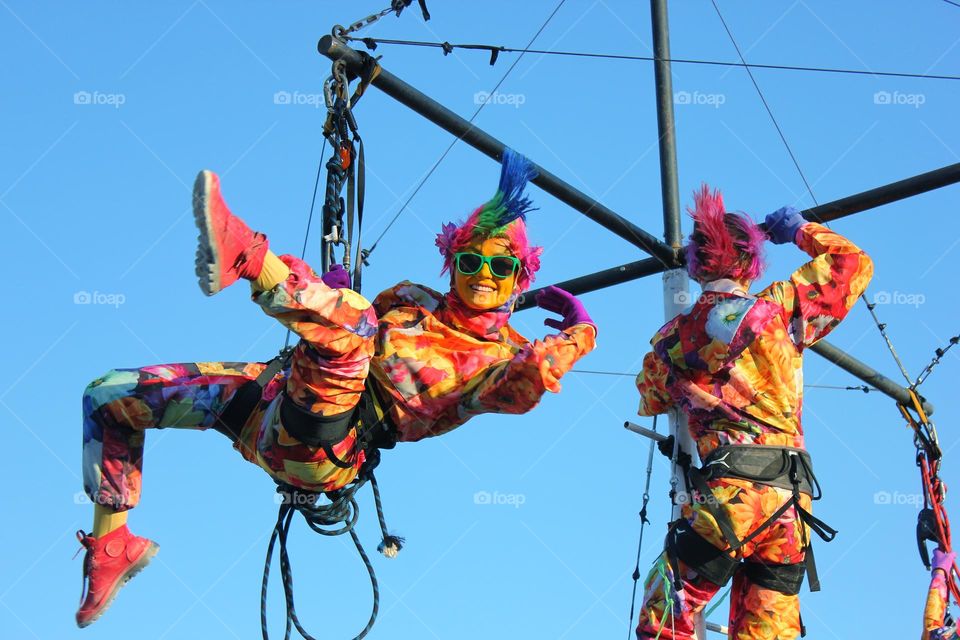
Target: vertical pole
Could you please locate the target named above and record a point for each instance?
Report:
(676, 284)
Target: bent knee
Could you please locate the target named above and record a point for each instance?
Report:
(113, 385)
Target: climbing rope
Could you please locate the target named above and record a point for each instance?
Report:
(455, 140)
(643, 523)
(335, 513)
(335, 517)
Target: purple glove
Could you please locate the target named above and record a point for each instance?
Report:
(566, 304)
(783, 224)
(943, 560)
(337, 277)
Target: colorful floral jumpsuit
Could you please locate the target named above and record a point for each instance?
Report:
(935, 610)
(733, 364)
(435, 364)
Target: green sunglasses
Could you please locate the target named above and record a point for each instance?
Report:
(500, 266)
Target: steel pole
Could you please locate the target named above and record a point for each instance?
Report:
(885, 194)
(490, 146)
(676, 284)
(869, 375)
(598, 280)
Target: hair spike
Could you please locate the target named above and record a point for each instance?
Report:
(504, 215)
(722, 244)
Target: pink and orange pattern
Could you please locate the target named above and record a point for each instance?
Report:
(733, 364)
(435, 364)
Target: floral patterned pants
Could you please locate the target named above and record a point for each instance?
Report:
(327, 375)
(756, 613)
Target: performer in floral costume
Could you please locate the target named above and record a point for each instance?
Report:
(937, 622)
(425, 361)
(732, 363)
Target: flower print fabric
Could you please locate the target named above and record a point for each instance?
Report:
(733, 365)
(441, 363)
(435, 364)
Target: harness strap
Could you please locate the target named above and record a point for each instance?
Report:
(785, 578)
(818, 526)
(315, 430)
(374, 430)
(234, 416)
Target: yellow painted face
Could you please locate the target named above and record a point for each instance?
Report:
(482, 290)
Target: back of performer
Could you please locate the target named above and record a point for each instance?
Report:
(733, 363)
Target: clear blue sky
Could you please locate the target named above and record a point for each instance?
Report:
(95, 198)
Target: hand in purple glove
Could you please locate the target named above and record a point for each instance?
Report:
(337, 277)
(783, 224)
(943, 560)
(566, 304)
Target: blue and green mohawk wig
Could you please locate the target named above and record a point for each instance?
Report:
(503, 216)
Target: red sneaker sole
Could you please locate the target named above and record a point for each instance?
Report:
(120, 582)
(208, 267)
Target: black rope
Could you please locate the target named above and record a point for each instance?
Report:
(871, 306)
(335, 518)
(306, 232)
(643, 523)
(766, 106)
(446, 46)
(457, 139)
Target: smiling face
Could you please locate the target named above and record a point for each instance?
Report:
(482, 290)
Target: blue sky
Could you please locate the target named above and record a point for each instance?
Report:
(94, 198)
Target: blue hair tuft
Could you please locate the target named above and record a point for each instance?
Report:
(515, 172)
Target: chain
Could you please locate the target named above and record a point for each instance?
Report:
(936, 360)
(397, 7)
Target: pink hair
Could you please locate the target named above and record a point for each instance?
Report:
(722, 245)
(454, 238)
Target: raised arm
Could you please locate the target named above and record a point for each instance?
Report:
(819, 294)
(516, 385)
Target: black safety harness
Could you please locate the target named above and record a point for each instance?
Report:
(784, 467)
(332, 513)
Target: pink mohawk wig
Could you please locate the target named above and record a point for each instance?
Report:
(503, 216)
(722, 245)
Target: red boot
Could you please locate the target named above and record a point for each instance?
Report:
(227, 249)
(110, 562)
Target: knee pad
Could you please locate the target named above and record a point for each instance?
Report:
(699, 554)
(785, 578)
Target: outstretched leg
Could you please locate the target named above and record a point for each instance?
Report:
(117, 408)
